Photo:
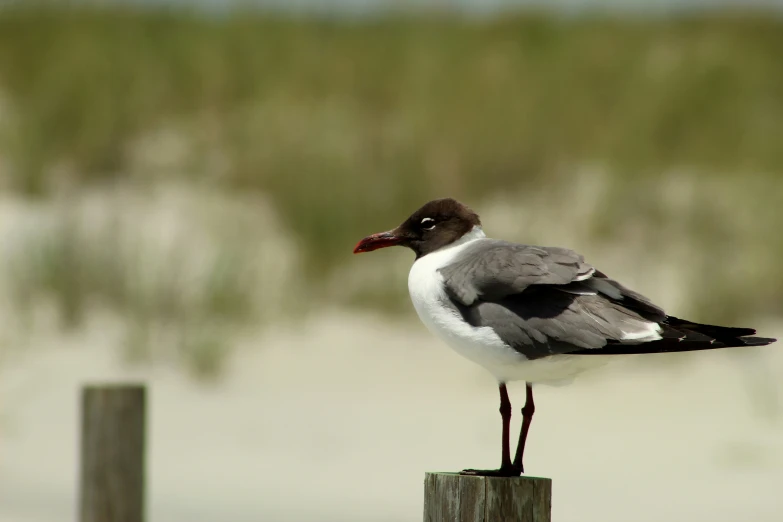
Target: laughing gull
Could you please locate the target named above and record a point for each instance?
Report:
(531, 313)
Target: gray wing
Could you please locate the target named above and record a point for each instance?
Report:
(546, 300)
(490, 269)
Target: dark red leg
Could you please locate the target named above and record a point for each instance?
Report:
(507, 469)
(527, 417)
(505, 414)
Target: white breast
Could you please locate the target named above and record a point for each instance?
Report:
(425, 284)
(480, 345)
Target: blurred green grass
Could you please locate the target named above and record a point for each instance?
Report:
(348, 126)
(172, 307)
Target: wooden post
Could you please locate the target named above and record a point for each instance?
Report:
(450, 497)
(112, 454)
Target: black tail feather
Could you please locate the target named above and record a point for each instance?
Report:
(685, 336)
(716, 332)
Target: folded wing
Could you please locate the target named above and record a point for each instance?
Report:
(543, 301)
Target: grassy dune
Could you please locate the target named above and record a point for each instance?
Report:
(346, 126)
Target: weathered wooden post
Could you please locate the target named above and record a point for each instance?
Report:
(112, 454)
(450, 497)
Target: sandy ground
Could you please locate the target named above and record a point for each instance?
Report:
(339, 420)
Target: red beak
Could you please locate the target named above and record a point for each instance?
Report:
(376, 241)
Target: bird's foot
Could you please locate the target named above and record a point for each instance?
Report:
(502, 472)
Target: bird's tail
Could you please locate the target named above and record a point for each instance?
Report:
(679, 335)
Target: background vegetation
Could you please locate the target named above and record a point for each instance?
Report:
(344, 128)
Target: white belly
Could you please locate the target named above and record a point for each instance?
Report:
(481, 344)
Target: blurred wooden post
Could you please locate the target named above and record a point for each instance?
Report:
(112, 454)
(450, 497)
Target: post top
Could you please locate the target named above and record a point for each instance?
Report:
(453, 474)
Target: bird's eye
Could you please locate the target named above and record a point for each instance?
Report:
(427, 224)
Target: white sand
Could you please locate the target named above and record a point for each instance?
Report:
(339, 421)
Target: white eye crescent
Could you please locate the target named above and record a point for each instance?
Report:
(427, 223)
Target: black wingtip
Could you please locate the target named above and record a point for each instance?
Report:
(757, 341)
(717, 332)
(686, 337)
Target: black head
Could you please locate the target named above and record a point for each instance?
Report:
(435, 225)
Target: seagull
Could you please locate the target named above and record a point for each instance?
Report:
(530, 313)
